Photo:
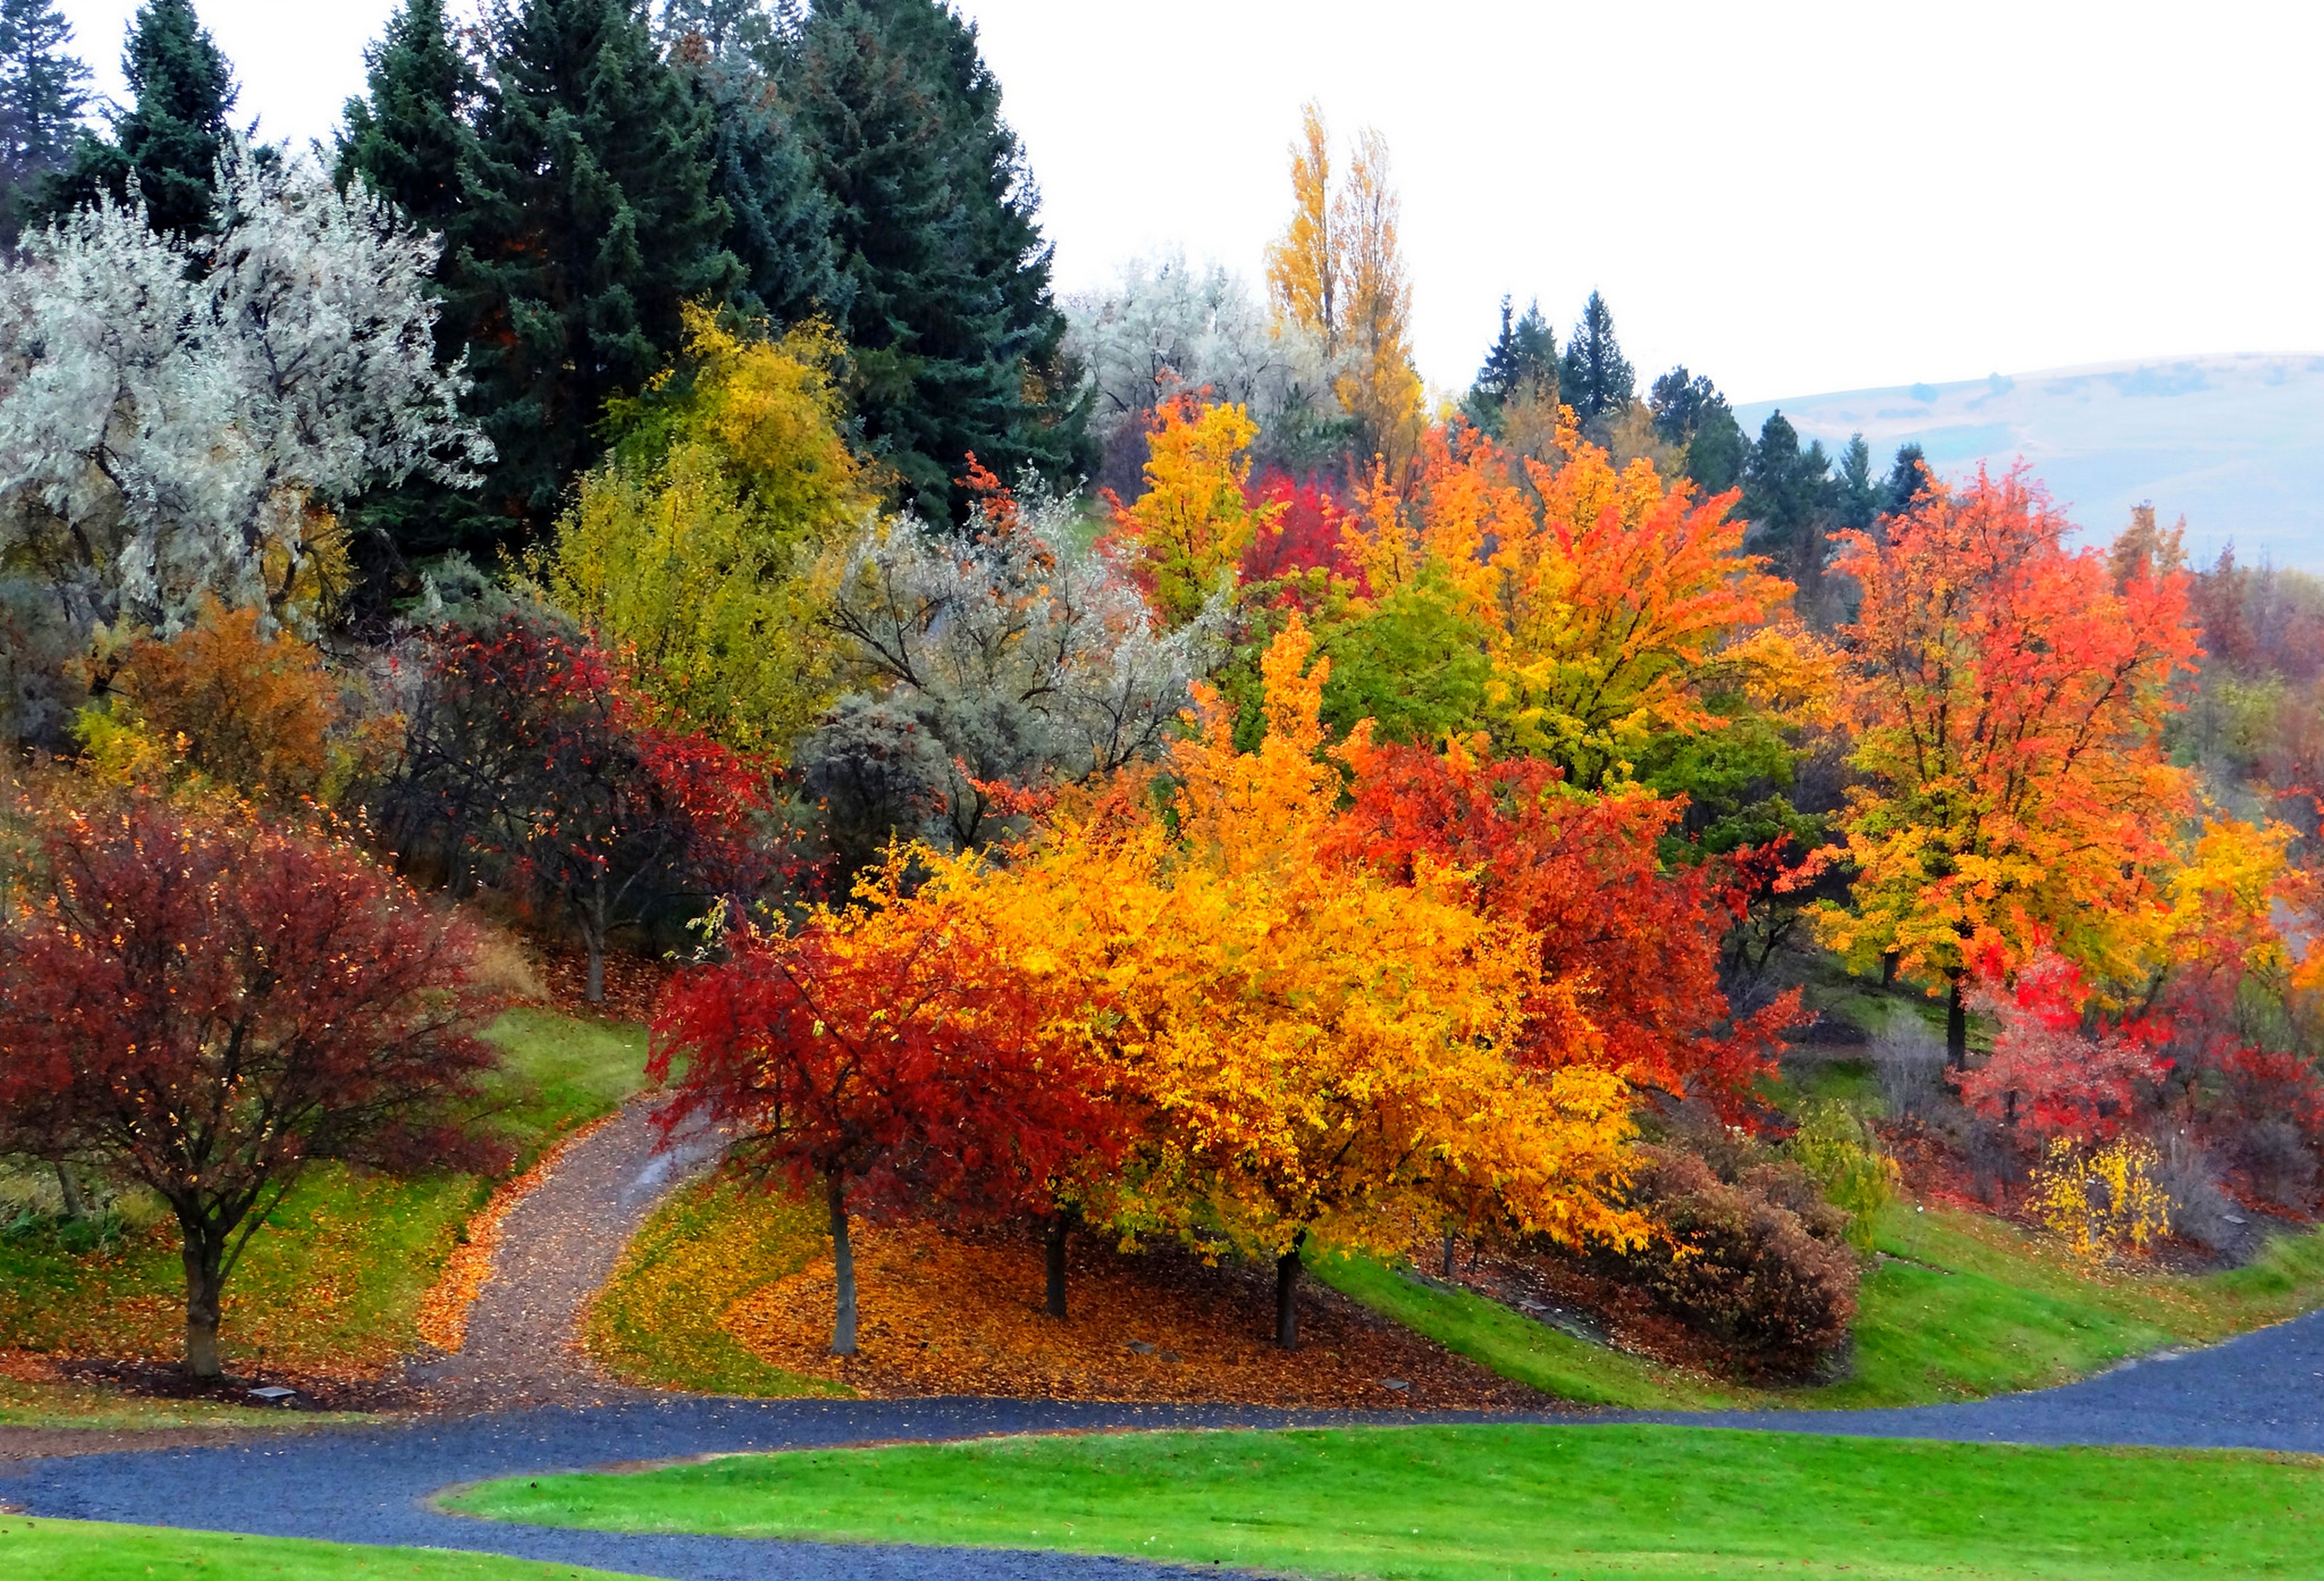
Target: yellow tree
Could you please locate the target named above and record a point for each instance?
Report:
(692, 551)
(1380, 389)
(1188, 531)
(1318, 1052)
(1304, 265)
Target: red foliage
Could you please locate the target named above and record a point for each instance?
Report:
(2055, 1071)
(208, 1003)
(1629, 952)
(1305, 534)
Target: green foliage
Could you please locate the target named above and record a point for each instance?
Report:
(1412, 664)
(1595, 379)
(1469, 1503)
(954, 337)
(170, 136)
(42, 92)
(409, 140)
(1787, 497)
(1844, 1158)
(88, 1550)
(1522, 362)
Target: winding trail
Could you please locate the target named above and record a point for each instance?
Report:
(521, 1397)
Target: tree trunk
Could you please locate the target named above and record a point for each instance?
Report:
(205, 1257)
(1449, 1240)
(843, 1265)
(1286, 1295)
(76, 1204)
(1956, 1027)
(1053, 1258)
(593, 933)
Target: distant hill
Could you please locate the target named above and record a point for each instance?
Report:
(2236, 444)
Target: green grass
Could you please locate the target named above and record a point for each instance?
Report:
(657, 1319)
(1467, 1503)
(1958, 1306)
(78, 1550)
(334, 1280)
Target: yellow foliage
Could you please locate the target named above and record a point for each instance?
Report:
(1189, 530)
(2098, 1202)
(1304, 265)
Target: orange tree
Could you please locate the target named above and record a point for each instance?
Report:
(1314, 1048)
(2006, 696)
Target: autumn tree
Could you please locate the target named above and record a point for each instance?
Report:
(1381, 389)
(1321, 1052)
(1191, 528)
(888, 1056)
(209, 1004)
(1306, 265)
(2006, 699)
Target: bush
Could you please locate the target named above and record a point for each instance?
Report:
(1839, 1154)
(2201, 1210)
(1757, 1264)
(1909, 1059)
(2098, 1200)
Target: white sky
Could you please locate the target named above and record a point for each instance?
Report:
(1790, 197)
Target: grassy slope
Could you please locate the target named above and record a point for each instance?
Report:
(1959, 1306)
(75, 1551)
(1467, 1503)
(336, 1277)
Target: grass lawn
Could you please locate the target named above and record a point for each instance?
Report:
(1961, 1306)
(78, 1550)
(1467, 1503)
(333, 1282)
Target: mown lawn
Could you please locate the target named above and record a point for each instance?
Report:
(1465, 1504)
(78, 1550)
(334, 1280)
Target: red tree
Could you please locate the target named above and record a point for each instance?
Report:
(1305, 533)
(1629, 951)
(208, 1005)
(893, 1055)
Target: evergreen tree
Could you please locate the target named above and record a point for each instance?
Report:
(953, 337)
(1522, 361)
(1907, 481)
(1596, 380)
(42, 92)
(1787, 498)
(782, 220)
(1856, 496)
(170, 135)
(1691, 411)
(409, 140)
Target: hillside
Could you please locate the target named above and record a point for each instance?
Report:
(2236, 443)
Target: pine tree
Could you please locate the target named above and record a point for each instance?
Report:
(587, 223)
(42, 92)
(1908, 480)
(1523, 360)
(782, 220)
(170, 136)
(1596, 379)
(954, 335)
(409, 140)
(1691, 413)
(1856, 495)
(1787, 497)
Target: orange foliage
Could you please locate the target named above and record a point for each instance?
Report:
(249, 713)
(1191, 528)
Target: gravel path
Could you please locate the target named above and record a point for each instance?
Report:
(2264, 1390)
(557, 1247)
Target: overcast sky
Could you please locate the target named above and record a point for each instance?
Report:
(1791, 199)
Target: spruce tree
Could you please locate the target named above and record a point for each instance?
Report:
(1856, 494)
(409, 140)
(954, 337)
(1787, 497)
(1690, 411)
(1522, 360)
(170, 136)
(586, 223)
(780, 224)
(42, 92)
(1596, 380)
(1908, 480)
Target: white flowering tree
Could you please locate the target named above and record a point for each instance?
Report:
(181, 418)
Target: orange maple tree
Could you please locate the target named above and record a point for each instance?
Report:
(2006, 696)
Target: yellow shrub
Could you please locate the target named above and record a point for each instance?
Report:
(2098, 1201)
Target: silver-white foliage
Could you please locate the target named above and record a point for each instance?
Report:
(1165, 325)
(171, 413)
(1013, 656)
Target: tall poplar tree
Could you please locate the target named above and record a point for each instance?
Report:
(42, 92)
(169, 137)
(954, 339)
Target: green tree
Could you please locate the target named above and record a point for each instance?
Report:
(1522, 362)
(1908, 481)
(169, 138)
(1787, 497)
(1856, 496)
(409, 140)
(1595, 379)
(953, 336)
(1692, 414)
(42, 92)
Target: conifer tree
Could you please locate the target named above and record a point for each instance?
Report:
(954, 335)
(1596, 380)
(1523, 360)
(1692, 414)
(42, 92)
(170, 135)
(1908, 480)
(1787, 497)
(1856, 494)
(410, 141)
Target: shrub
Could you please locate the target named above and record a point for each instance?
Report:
(1839, 1152)
(2099, 1199)
(1909, 1059)
(1737, 1263)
